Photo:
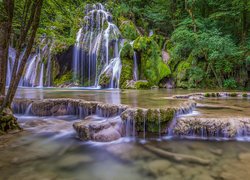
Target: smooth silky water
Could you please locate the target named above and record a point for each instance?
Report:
(48, 148)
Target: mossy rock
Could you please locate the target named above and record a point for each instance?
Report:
(159, 39)
(128, 29)
(207, 95)
(181, 74)
(233, 94)
(142, 85)
(152, 67)
(105, 78)
(155, 119)
(127, 65)
(8, 122)
(244, 95)
(66, 78)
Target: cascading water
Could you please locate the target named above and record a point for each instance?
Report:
(35, 67)
(97, 48)
(135, 71)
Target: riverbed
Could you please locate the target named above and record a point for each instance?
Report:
(48, 147)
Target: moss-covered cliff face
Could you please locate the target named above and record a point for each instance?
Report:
(127, 65)
(152, 67)
(128, 29)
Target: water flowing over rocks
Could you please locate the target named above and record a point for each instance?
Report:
(116, 120)
(230, 127)
(96, 59)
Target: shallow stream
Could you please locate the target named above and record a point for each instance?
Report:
(49, 149)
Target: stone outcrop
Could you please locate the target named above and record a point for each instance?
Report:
(99, 129)
(197, 96)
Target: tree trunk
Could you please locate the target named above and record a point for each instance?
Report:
(244, 23)
(191, 14)
(7, 119)
(14, 85)
(5, 36)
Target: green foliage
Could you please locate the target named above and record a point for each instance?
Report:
(152, 66)
(66, 78)
(230, 84)
(214, 33)
(142, 85)
(127, 64)
(128, 29)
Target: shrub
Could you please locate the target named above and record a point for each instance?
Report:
(230, 83)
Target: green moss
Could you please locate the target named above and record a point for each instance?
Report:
(127, 65)
(233, 94)
(66, 78)
(244, 95)
(104, 80)
(8, 122)
(181, 74)
(213, 95)
(128, 29)
(142, 85)
(152, 67)
(207, 95)
(159, 39)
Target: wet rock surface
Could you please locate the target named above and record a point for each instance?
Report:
(151, 120)
(230, 127)
(99, 129)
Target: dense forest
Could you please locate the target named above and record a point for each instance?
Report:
(207, 41)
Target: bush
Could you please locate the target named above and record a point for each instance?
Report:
(230, 84)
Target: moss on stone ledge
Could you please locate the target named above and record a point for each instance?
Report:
(66, 78)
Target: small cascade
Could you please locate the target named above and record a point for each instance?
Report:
(159, 122)
(151, 33)
(144, 125)
(41, 76)
(97, 48)
(130, 128)
(135, 70)
(28, 110)
(181, 111)
(37, 64)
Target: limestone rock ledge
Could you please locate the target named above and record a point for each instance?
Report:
(102, 121)
(228, 127)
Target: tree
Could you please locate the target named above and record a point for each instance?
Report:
(28, 24)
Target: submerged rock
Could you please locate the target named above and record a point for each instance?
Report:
(99, 129)
(158, 167)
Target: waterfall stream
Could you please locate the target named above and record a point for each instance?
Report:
(37, 64)
(97, 48)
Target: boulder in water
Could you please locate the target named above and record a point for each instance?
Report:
(99, 129)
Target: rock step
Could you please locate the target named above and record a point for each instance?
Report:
(228, 127)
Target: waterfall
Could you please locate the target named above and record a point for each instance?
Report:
(97, 48)
(135, 71)
(11, 60)
(41, 76)
(33, 75)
